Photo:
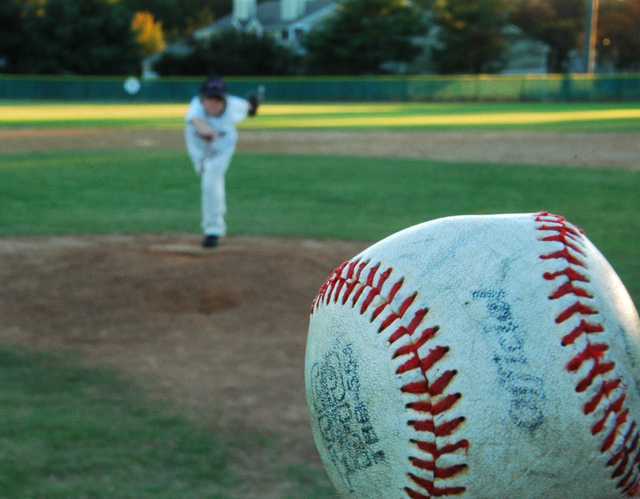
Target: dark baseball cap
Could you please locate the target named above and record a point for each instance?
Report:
(213, 87)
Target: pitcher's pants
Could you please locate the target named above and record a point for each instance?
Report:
(214, 204)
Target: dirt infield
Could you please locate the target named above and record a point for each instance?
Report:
(617, 150)
(223, 329)
(221, 332)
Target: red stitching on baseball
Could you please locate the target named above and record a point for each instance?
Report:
(411, 328)
(576, 308)
(626, 461)
(436, 451)
(435, 409)
(431, 489)
(623, 455)
(605, 391)
(443, 430)
(568, 288)
(565, 254)
(437, 472)
(433, 389)
(583, 328)
(572, 274)
(626, 457)
(350, 280)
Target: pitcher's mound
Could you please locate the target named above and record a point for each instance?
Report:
(183, 249)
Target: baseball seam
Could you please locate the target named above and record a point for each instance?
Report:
(607, 406)
(352, 281)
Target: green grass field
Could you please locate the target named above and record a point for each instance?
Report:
(68, 432)
(47, 451)
(494, 116)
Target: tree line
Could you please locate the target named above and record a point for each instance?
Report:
(111, 37)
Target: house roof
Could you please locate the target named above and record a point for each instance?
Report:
(268, 14)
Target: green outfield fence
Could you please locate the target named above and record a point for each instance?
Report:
(611, 87)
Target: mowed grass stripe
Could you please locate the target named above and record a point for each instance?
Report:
(623, 117)
(81, 112)
(454, 120)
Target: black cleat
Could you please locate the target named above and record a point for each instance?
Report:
(210, 241)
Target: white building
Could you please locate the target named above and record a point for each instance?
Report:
(524, 54)
(287, 21)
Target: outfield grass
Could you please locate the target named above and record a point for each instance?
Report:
(67, 432)
(433, 116)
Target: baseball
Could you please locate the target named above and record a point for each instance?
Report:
(481, 357)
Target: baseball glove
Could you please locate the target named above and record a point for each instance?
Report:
(254, 103)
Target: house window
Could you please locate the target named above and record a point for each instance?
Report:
(299, 34)
(284, 35)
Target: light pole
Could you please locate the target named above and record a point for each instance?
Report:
(590, 29)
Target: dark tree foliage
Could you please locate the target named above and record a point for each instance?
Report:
(181, 17)
(230, 53)
(88, 37)
(13, 14)
(619, 33)
(558, 23)
(166, 11)
(94, 37)
(363, 35)
(469, 35)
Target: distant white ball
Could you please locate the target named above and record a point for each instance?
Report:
(132, 85)
(482, 357)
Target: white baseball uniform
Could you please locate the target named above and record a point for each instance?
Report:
(211, 158)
